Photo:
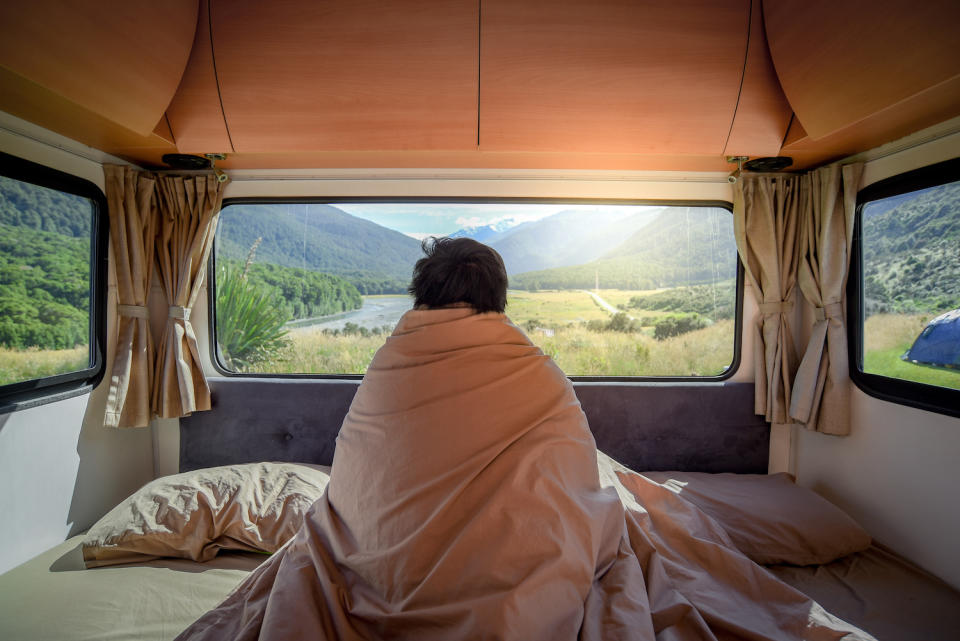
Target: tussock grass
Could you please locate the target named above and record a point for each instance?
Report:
(27, 364)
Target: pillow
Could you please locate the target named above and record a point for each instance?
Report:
(769, 518)
(193, 515)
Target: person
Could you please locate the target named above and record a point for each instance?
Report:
(465, 502)
(459, 271)
(464, 499)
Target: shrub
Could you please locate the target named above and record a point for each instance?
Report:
(250, 320)
(677, 325)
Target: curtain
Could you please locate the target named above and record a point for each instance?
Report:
(766, 224)
(821, 389)
(133, 223)
(188, 211)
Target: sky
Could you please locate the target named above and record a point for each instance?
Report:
(439, 219)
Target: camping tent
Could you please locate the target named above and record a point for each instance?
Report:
(938, 345)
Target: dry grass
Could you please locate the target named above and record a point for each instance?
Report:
(28, 364)
(576, 350)
(890, 331)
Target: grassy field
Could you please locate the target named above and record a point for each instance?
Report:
(553, 307)
(889, 336)
(554, 320)
(25, 365)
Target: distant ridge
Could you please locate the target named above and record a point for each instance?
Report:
(323, 238)
(681, 246)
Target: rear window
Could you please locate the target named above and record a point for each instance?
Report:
(906, 289)
(607, 290)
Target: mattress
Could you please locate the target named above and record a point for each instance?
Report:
(881, 593)
(53, 597)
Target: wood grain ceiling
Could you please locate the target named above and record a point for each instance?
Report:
(607, 84)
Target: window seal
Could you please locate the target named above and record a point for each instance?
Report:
(49, 389)
(931, 398)
(333, 200)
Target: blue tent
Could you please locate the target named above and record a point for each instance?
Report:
(938, 345)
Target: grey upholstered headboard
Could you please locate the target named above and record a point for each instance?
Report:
(705, 427)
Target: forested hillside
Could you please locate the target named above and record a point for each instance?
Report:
(25, 205)
(321, 238)
(303, 294)
(912, 252)
(44, 267)
(44, 289)
(682, 246)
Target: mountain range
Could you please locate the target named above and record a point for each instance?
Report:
(636, 248)
(680, 246)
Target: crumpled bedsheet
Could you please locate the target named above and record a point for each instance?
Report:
(467, 501)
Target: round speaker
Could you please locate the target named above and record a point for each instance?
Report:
(769, 163)
(185, 161)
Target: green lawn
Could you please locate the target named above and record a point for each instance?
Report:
(887, 337)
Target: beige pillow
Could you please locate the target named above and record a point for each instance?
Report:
(254, 506)
(769, 518)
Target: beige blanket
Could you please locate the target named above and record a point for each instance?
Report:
(465, 503)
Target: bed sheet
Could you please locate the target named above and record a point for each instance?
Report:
(54, 598)
(882, 593)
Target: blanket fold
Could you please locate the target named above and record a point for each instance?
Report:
(466, 501)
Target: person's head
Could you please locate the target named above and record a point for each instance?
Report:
(459, 270)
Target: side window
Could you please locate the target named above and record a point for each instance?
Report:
(52, 255)
(608, 290)
(905, 289)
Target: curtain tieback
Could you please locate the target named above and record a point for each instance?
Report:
(176, 311)
(776, 308)
(133, 311)
(828, 311)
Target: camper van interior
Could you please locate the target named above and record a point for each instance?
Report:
(731, 233)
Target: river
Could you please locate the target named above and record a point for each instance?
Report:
(376, 311)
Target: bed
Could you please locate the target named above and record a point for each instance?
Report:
(143, 593)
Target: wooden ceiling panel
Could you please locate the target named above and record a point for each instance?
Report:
(195, 114)
(39, 105)
(933, 106)
(648, 76)
(841, 62)
(763, 113)
(299, 75)
(118, 59)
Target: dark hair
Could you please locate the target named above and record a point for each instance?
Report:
(459, 270)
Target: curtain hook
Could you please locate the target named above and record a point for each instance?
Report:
(735, 176)
(219, 173)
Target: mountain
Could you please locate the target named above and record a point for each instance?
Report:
(911, 252)
(484, 233)
(569, 237)
(681, 246)
(322, 238)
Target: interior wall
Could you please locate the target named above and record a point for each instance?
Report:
(61, 470)
(896, 473)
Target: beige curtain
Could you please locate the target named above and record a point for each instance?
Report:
(821, 390)
(133, 223)
(766, 215)
(188, 210)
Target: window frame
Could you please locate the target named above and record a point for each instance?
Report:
(334, 200)
(40, 391)
(932, 398)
